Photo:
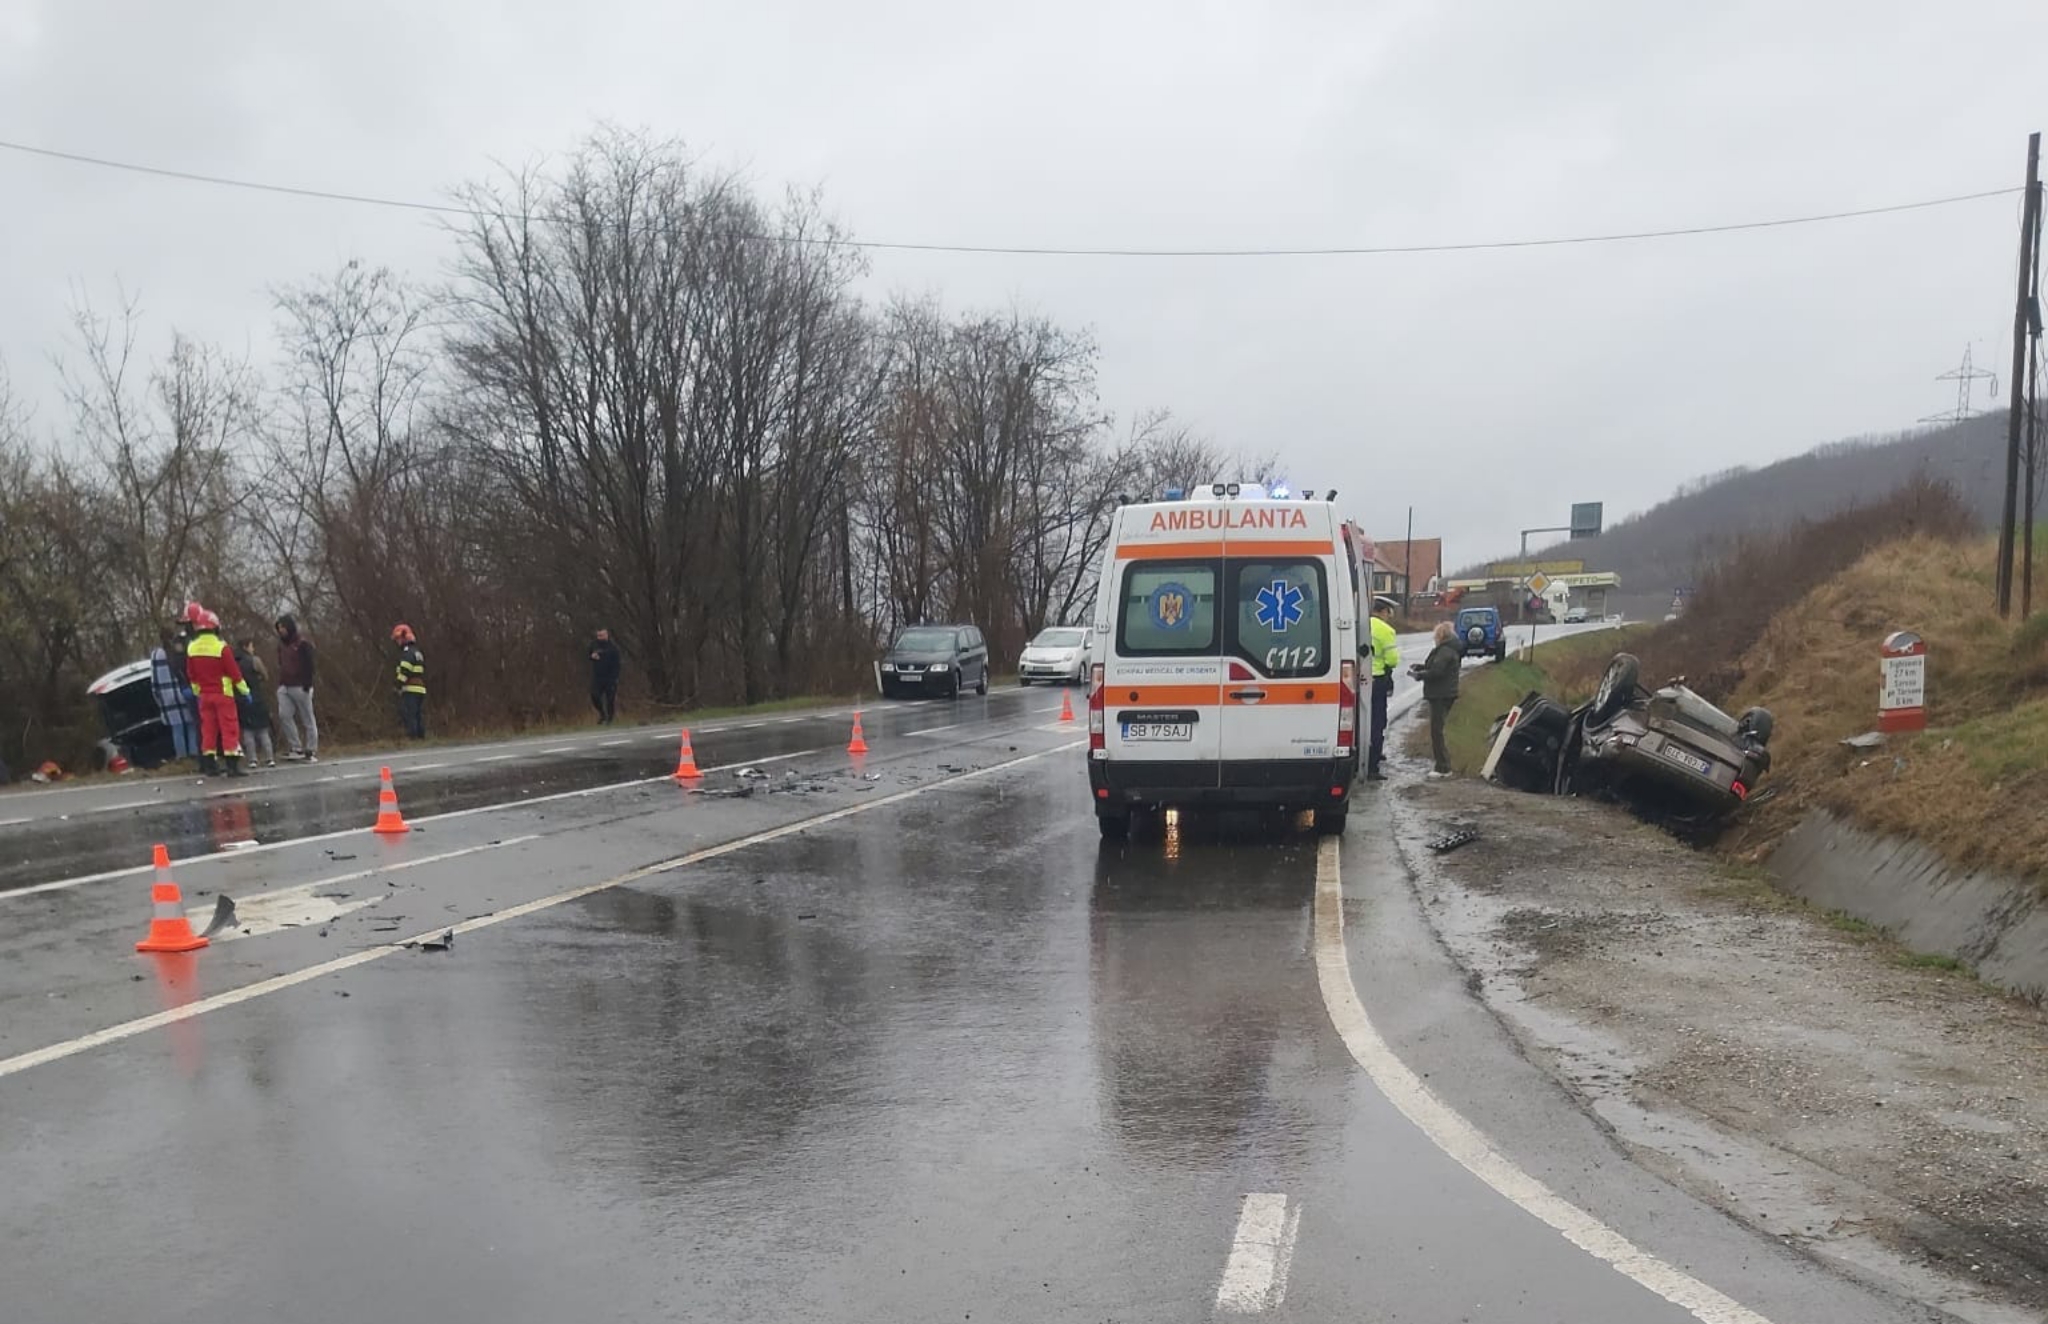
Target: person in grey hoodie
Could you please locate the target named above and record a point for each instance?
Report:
(1439, 676)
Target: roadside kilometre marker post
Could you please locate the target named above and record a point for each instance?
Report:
(1902, 694)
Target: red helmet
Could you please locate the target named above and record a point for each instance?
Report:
(193, 614)
(207, 620)
(401, 634)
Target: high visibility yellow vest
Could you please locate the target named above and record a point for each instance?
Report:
(1386, 653)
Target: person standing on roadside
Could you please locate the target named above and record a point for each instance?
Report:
(173, 693)
(257, 744)
(217, 685)
(1439, 676)
(295, 691)
(1385, 655)
(411, 679)
(605, 660)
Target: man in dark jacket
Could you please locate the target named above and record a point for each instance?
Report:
(254, 709)
(1439, 675)
(295, 691)
(604, 677)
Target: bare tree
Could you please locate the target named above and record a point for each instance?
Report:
(166, 446)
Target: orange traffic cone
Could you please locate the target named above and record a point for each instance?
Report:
(388, 820)
(686, 762)
(1066, 709)
(859, 743)
(169, 930)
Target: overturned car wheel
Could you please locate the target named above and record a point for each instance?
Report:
(1617, 690)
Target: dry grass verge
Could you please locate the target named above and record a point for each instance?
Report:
(1972, 785)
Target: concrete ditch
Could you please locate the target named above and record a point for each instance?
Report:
(1995, 923)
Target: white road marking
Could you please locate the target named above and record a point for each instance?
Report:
(110, 874)
(274, 912)
(429, 767)
(267, 912)
(1448, 1130)
(1255, 1275)
(607, 744)
(935, 730)
(748, 726)
(493, 758)
(560, 749)
(12, 822)
(277, 984)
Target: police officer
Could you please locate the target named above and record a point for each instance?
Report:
(411, 681)
(1385, 655)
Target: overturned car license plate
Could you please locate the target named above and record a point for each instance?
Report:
(1159, 730)
(1693, 761)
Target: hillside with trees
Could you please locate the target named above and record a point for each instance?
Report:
(642, 397)
(1670, 544)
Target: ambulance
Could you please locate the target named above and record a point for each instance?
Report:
(1227, 630)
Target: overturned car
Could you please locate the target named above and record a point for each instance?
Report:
(1668, 753)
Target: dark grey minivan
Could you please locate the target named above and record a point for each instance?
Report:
(935, 659)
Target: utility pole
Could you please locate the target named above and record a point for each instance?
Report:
(2033, 444)
(1408, 566)
(2033, 412)
(2021, 316)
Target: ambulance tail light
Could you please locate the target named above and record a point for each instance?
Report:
(1347, 704)
(1097, 740)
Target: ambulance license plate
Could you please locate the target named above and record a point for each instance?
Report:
(1134, 731)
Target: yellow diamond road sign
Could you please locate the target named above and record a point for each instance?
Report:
(1538, 582)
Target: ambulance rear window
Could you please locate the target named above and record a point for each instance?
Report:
(1169, 609)
(1282, 624)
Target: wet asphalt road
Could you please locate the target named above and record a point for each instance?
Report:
(912, 1048)
(94, 828)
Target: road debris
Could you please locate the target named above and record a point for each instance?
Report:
(444, 943)
(1450, 841)
(223, 916)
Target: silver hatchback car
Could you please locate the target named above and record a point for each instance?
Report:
(1058, 656)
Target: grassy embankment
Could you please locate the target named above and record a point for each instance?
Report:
(1971, 787)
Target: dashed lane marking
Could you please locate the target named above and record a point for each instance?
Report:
(110, 874)
(278, 983)
(1262, 1251)
(1448, 1130)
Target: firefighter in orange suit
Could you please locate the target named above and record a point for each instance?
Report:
(216, 682)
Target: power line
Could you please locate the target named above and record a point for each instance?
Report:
(1381, 250)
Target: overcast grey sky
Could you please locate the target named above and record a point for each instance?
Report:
(1487, 389)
